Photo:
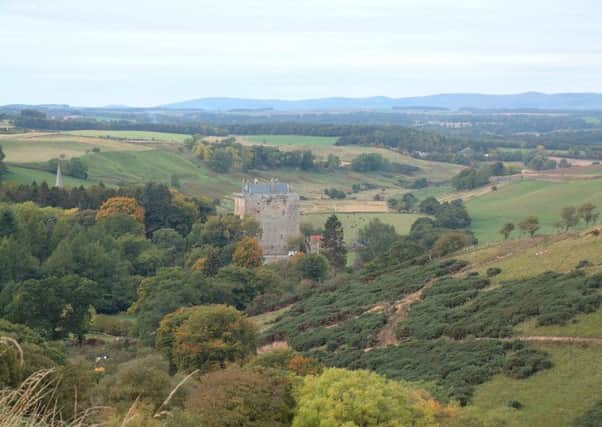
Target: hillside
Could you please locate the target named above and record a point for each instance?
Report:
(548, 325)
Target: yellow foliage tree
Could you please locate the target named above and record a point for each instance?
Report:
(248, 253)
(121, 205)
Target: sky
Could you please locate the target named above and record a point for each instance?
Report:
(152, 52)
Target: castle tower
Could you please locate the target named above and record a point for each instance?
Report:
(59, 176)
(276, 209)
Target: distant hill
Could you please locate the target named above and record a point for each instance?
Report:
(453, 101)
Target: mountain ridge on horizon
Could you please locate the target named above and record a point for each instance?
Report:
(450, 101)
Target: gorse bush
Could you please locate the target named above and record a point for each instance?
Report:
(457, 309)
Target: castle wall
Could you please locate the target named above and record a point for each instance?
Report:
(278, 215)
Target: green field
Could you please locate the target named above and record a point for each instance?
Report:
(159, 166)
(21, 175)
(551, 398)
(518, 200)
(352, 222)
(132, 134)
(309, 141)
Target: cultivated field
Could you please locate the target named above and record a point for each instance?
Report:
(39, 146)
(132, 135)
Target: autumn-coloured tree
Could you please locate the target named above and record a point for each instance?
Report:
(302, 365)
(242, 397)
(248, 253)
(121, 205)
(205, 337)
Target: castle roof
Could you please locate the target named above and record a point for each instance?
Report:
(267, 188)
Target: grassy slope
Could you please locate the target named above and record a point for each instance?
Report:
(27, 176)
(518, 200)
(159, 166)
(524, 258)
(551, 398)
(354, 221)
(132, 134)
(585, 325)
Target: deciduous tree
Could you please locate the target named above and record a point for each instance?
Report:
(506, 230)
(529, 225)
(587, 213)
(569, 217)
(248, 253)
(121, 205)
(206, 337)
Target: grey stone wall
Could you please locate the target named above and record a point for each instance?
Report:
(278, 215)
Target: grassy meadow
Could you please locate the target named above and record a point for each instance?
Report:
(551, 398)
(518, 200)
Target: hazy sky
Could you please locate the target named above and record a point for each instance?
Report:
(148, 52)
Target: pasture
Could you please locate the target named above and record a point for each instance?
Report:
(353, 222)
(550, 398)
(132, 135)
(516, 201)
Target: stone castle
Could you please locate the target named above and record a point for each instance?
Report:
(276, 209)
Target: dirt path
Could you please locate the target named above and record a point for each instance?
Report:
(561, 340)
(397, 313)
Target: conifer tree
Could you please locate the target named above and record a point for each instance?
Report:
(334, 244)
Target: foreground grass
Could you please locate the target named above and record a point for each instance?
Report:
(353, 222)
(518, 200)
(554, 397)
(132, 134)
